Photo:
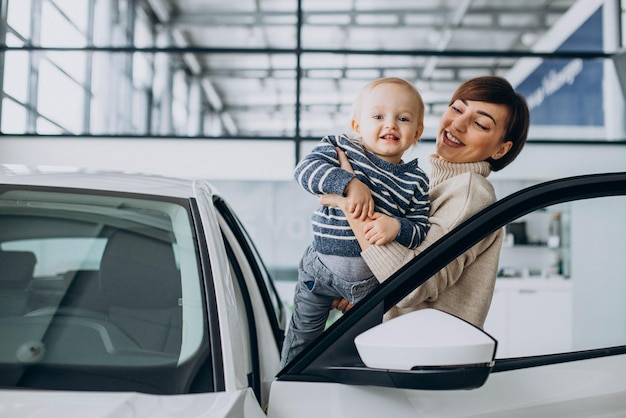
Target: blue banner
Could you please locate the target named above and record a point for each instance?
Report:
(569, 91)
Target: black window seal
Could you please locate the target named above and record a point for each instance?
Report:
(254, 379)
(215, 339)
(238, 231)
(516, 363)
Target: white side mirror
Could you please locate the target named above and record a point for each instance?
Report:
(425, 338)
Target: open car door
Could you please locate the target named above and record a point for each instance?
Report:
(422, 364)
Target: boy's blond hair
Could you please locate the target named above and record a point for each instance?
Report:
(356, 108)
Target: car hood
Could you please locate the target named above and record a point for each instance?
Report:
(44, 404)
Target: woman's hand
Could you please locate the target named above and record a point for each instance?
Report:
(335, 200)
(340, 202)
(332, 200)
(360, 203)
(344, 164)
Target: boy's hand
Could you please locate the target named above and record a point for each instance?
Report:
(359, 200)
(381, 229)
(342, 305)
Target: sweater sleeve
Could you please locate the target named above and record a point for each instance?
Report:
(449, 275)
(384, 260)
(463, 288)
(319, 172)
(415, 225)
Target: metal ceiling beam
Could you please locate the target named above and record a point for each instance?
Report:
(164, 12)
(446, 36)
(583, 54)
(267, 18)
(235, 72)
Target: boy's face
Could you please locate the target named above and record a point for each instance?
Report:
(390, 121)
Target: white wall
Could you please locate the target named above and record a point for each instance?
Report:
(271, 160)
(541, 162)
(599, 271)
(215, 159)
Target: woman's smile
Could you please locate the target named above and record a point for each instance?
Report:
(449, 138)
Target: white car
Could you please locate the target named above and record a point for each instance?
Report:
(126, 295)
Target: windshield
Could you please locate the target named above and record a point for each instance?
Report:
(95, 285)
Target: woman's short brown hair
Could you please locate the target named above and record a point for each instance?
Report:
(493, 89)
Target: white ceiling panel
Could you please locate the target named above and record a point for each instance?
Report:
(386, 39)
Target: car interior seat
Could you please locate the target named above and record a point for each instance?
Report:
(141, 285)
(16, 274)
(83, 290)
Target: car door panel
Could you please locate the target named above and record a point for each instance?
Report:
(572, 389)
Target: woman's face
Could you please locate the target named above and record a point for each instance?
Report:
(472, 131)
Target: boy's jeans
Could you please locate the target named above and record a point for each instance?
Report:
(314, 293)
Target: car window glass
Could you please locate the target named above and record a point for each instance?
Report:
(73, 253)
(118, 273)
(561, 280)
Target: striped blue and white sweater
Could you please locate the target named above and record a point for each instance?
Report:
(398, 190)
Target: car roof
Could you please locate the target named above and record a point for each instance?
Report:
(116, 181)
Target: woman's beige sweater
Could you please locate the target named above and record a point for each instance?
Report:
(465, 287)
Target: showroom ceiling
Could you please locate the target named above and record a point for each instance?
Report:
(259, 67)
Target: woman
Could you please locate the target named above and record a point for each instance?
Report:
(483, 130)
